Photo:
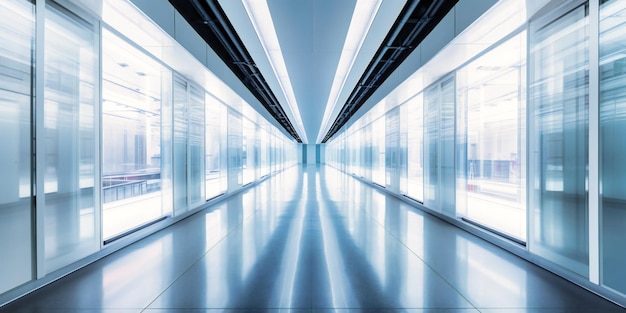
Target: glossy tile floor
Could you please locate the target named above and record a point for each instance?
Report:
(311, 240)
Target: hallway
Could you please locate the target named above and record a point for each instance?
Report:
(311, 239)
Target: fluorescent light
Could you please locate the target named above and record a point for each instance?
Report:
(362, 19)
(261, 19)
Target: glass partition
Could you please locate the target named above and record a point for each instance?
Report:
(492, 119)
(378, 151)
(179, 144)
(17, 31)
(133, 85)
(235, 150)
(613, 143)
(367, 151)
(415, 152)
(195, 146)
(188, 145)
(72, 227)
(439, 138)
(248, 151)
(558, 94)
(403, 150)
(215, 177)
(264, 152)
(392, 149)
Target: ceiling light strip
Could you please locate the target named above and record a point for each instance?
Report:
(364, 13)
(261, 19)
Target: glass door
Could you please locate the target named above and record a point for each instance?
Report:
(439, 139)
(136, 138)
(558, 94)
(72, 225)
(17, 31)
(492, 121)
(392, 149)
(613, 142)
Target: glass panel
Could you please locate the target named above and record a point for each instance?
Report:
(265, 170)
(559, 95)
(235, 150)
(415, 148)
(491, 101)
(612, 142)
(257, 152)
(195, 162)
(188, 141)
(403, 166)
(72, 229)
(392, 145)
(439, 132)
(368, 162)
(448, 137)
(17, 30)
(179, 141)
(378, 151)
(132, 96)
(248, 151)
(213, 137)
(431, 148)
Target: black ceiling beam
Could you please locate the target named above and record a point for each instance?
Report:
(415, 22)
(209, 20)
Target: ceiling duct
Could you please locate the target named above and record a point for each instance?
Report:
(211, 23)
(415, 22)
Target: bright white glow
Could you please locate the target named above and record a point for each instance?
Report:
(261, 19)
(362, 19)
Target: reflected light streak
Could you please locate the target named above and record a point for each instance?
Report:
(339, 298)
(213, 226)
(482, 263)
(118, 275)
(295, 240)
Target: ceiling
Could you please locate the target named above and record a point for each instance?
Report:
(311, 35)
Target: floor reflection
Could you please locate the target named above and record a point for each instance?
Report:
(312, 239)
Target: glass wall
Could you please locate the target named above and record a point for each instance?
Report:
(415, 156)
(612, 142)
(90, 111)
(403, 161)
(264, 156)
(392, 149)
(439, 137)
(195, 146)
(132, 145)
(17, 32)
(492, 121)
(558, 94)
(72, 227)
(499, 136)
(235, 150)
(366, 144)
(179, 142)
(248, 151)
(188, 145)
(215, 164)
(378, 151)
